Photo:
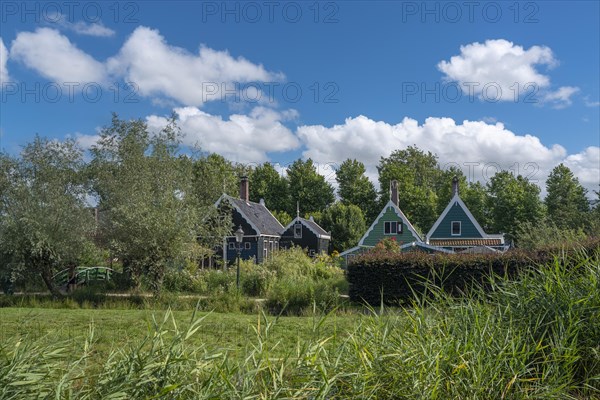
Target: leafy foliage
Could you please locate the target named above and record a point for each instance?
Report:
(404, 277)
(356, 189)
(566, 199)
(45, 224)
(308, 188)
(416, 173)
(346, 224)
(268, 184)
(512, 201)
(147, 194)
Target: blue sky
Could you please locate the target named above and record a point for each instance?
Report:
(485, 85)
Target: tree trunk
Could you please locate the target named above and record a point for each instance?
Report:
(46, 274)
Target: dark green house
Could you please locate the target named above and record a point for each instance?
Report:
(390, 223)
(262, 231)
(457, 229)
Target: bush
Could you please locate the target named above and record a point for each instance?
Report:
(402, 278)
(297, 296)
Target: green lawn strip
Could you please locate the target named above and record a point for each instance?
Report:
(117, 329)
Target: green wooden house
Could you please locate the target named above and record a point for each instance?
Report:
(390, 223)
(457, 229)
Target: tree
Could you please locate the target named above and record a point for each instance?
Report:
(513, 201)
(355, 188)
(45, 223)
(475, 198)
(474, 194)
(268, 184)
(147, 195)
(308, 188)
(417, 173)
(213, 176)
(283, 217)
(566, 200)
(346, 224)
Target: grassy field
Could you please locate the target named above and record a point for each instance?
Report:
(117, 329)
(537, 337)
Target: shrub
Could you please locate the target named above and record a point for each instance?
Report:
(400, 278)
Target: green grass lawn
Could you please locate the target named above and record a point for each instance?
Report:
(537, 337)
(115, 329)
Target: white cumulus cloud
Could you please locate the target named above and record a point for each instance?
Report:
(478, 148)
(501, 70)
(54, 56)
(89, 29)
(561, 97)
(159, 69)
(3, 59)
(241, 138)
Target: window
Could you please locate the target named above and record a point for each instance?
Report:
(247, 245)
(392, 227)
(231, 245)
(312, 253)
(455, 228)
(298, 231)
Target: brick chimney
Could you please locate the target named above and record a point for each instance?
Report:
(394, 192)
(244, 189)
(455, 186)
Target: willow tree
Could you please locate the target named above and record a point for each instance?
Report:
(45, 222)
(150, 214)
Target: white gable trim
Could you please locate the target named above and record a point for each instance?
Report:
(399, 213)
(298, 219)
(456, 199)
(225, 197)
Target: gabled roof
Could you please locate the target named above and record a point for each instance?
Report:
(256, 214)
(457, 200)
(399, 213)
(466, 242)
(425, 246)
(312, 226)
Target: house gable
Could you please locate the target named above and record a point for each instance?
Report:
(309, 225)
(255, 215)
(376, 232)
(312, 236)
(456, 212)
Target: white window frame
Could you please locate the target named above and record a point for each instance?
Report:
(395, 225)
(452, 228)
(297, 235)
(231, 245)
(247, 246)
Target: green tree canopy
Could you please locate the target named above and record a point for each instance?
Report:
(355, 188)
(308, 188)
(566, 199)
(147, 196)
(213, 176)
(417, 173)
(45, 223)
(268, 184)
(513, 201)
(346, 224)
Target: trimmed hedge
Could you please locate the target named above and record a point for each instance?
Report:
(399, 278)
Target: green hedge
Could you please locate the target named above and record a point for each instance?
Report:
(397, 278)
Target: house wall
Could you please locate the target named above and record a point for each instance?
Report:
(456, 213)
(268, 242)
(377, 233)
(246, 254)
(308, 241)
